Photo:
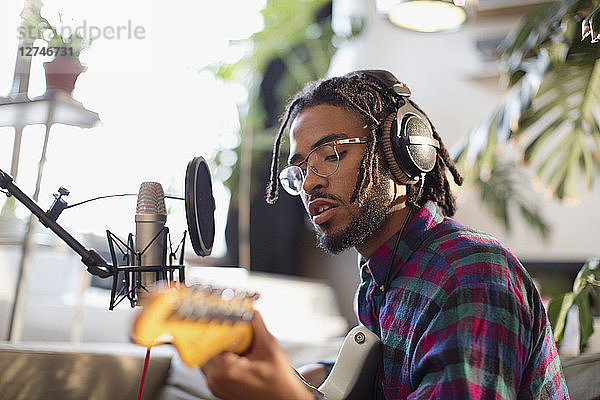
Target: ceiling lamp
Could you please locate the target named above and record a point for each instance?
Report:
(428, 15)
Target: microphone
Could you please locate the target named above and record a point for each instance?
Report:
(150, 234)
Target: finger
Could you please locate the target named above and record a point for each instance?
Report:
(219, 364)
(224, 373)
(261, 333)
(265, 346)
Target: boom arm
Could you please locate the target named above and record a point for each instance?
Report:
(94, 262)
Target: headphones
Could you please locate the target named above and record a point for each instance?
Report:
(407, 136)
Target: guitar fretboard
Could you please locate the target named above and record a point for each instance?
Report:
(203, 302)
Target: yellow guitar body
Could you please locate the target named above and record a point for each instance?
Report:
(200, 322)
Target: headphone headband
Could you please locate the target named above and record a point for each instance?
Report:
(387, 79)
(407, 136)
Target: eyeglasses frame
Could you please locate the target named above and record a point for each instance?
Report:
(334, 143)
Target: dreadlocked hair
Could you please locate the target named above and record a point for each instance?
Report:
(362, 93)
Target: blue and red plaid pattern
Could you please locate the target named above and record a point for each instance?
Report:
(462, 318)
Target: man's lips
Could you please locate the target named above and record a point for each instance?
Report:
(321, 210)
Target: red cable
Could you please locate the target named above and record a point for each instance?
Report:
(143, 378)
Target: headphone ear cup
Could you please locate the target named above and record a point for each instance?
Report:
(391, 143)
(408, 144)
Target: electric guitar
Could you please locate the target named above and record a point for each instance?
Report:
(203, 321)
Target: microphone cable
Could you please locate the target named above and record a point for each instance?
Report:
(144, 371)
(117, 195)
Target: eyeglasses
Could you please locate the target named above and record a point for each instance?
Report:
(323, 160)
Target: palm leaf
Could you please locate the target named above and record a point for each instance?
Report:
(551, 112)
(568, 165)
(541, 28)
(502, 194)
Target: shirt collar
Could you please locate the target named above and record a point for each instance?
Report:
(424, 219)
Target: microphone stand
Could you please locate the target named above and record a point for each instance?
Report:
(96, 265)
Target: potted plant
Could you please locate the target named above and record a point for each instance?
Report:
(65, 67)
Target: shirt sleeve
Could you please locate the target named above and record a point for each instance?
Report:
(476, 346)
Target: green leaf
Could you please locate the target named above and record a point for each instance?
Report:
(595, 23)
(500, 194)
(567, 177)
(489, 154)
(553, 156)
(533, 148)
(586, 326)
(581, 280)
(521, 40)
(587, 163)
(494, 195)
(535, 113)
(515, 77)
(591, 91)
(9, 207)
(557, 314)
(531, 215)
(596, 145)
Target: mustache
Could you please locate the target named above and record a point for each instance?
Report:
(321, 195)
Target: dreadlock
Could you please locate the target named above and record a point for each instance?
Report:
(362, 93)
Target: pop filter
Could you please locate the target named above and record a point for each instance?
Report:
(199, 206)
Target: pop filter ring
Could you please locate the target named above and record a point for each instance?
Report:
(199, 206)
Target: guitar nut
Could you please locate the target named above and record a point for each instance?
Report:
(359, 338)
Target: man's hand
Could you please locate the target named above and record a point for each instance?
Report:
(262, 373)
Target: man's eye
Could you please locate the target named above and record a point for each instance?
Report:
(331, 158)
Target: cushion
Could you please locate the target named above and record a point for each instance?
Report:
(583, 376)
(75, 372)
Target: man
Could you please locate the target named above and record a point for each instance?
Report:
(457, 315)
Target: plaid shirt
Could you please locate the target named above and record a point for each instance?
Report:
(462, 318)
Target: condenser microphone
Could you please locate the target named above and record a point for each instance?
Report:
(150, 233)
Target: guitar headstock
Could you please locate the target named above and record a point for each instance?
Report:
(200, 321)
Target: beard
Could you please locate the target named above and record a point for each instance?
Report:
(372, 211)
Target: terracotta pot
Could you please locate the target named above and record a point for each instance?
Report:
(62, 72)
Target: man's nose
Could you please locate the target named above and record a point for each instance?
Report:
(313, 182)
